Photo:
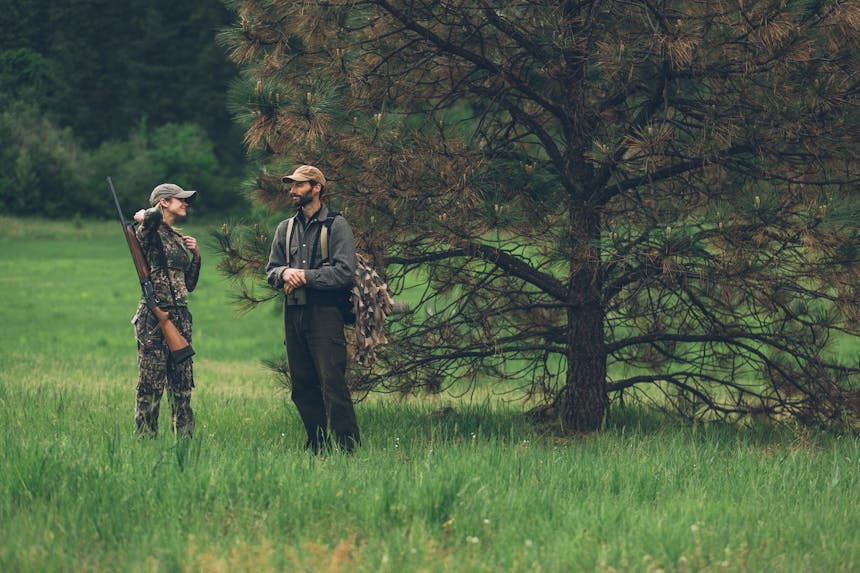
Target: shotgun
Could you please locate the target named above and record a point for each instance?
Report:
(180, 349)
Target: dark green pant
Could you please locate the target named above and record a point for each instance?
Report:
(316, 351)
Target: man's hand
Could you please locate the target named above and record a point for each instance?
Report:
(293, 279)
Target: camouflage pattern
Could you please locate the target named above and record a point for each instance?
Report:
(158, 373)
(172, 285)
(371, 304)
(183, 267)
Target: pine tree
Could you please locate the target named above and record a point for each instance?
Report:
(652, 199)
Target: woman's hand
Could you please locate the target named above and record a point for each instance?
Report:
(191, 244)
(138, 217)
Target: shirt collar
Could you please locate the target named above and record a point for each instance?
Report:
(321, 214)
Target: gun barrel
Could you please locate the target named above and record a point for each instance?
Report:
(116, 202)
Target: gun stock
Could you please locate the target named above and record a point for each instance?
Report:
(179, 347)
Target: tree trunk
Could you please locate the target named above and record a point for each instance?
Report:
(583, 403)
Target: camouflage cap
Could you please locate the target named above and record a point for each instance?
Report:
(168, 190)
(305, 173)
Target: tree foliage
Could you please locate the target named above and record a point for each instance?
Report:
(647, 199)
(44, 171)
(118, 63)
(82, 82)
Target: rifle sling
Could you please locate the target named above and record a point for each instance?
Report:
(166, 266)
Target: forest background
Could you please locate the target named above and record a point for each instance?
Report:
(137, 91)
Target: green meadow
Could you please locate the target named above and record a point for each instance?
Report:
(468, 487)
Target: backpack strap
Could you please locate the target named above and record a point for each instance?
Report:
(324, 234)
(287, 236)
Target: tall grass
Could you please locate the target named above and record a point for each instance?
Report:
(472, 487)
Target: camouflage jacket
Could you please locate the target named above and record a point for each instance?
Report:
(173, 269)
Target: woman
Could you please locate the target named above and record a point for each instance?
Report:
(174, 264)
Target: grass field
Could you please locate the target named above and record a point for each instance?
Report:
(475, 489)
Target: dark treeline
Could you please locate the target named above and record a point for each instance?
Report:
(101, 87)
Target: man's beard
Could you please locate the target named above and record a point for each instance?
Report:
(303, 199)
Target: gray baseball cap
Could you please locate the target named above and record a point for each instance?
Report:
(168, 190)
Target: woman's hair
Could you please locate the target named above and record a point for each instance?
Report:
(163, 220)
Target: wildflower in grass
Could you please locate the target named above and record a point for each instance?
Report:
(472, 539)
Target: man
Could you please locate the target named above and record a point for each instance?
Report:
(316, 290)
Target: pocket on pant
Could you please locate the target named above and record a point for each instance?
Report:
(147, 330)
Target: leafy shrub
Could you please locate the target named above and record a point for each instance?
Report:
(46, 171)
(177, 153)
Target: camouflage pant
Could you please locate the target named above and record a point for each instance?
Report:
(159, 373)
